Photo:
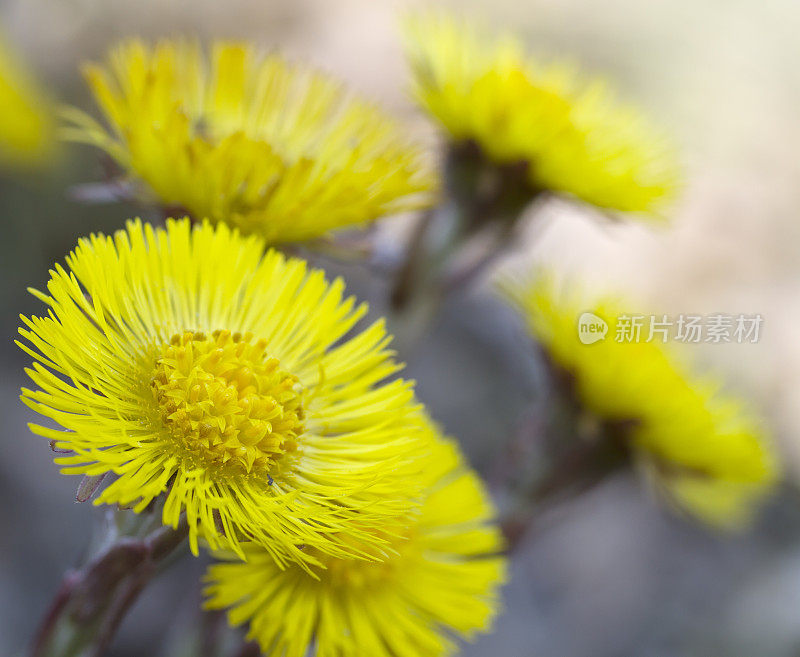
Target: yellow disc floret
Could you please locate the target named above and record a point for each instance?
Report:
(439, 581)
(230, 383)
(571, 134)
(226, 402)
(703, 448)
(248, 139)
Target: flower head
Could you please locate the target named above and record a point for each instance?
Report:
(571, 136)
(26, 127)
(189, 363)
(273, 148)
(701, 447)
(441, 582)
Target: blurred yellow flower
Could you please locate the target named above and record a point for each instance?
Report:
(271, 147)
(442, 582)
(189, 363)
(701, 447)
(26, 125)
(572, 136)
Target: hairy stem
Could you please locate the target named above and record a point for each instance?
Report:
(248, 649)
(92, 602)
(579, 452)
(577, 471)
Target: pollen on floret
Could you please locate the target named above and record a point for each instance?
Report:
(237, 430)
(226, 402)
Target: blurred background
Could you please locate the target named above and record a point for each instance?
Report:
(610, 574)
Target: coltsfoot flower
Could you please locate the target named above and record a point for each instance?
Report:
(190, 364)
(702, 448)
(26, 125)
(271, 147)
(569, 136)
(442, 582)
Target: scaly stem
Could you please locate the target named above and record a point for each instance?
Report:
(418, 288)
(249, 649)
(92, 602)
(577, 471)
(455, 241)
(579, 452)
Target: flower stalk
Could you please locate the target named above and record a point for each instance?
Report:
(455, 241)
(579, 453)
(92, 602)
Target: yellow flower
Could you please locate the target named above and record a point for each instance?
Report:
(270, 147)
(572, 136)
(442, 582)
(189, 363)
(699, 445)
(26, 126)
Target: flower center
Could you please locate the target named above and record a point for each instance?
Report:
(360, 573)
(226, 402)
(356, 573)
